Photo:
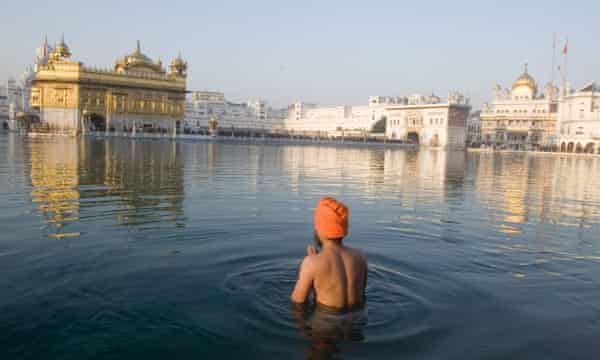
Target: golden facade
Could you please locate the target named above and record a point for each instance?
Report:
(137, 93)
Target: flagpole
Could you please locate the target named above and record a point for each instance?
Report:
(564, 70)
(553, 58)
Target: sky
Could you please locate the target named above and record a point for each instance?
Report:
(326, 52)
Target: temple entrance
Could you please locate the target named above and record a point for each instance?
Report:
(570, 147)
(97, 122)
(412, 138)
(563, 147)
(579, 148)
(435, 141)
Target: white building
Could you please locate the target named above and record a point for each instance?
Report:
(252, 116)
(578, 127)
(14, 96)
(519, 117)
(310, 119)
(428, 121)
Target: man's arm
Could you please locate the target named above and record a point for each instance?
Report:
(304, 284)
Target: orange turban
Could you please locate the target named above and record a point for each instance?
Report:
(331, 218)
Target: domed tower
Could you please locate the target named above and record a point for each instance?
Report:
(138, 62)
(178, 67)
(525, 87)
(61, 51)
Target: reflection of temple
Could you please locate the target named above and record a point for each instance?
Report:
(534, 189)
(134, 182)
(55, 179)
(137, 95)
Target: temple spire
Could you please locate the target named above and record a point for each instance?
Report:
(138, 49)
(525, 66)
(45, 46)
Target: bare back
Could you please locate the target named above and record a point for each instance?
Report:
(337, 275)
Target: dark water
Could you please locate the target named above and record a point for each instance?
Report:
(118, 249)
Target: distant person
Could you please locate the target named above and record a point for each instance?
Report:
(338, 274)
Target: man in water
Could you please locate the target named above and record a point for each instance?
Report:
(338, 274)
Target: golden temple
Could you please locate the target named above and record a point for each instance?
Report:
(138, 94)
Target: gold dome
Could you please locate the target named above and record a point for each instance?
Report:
(61, 51)
(138, 61)
(178, 66)
(525, 80)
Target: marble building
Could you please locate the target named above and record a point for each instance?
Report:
(251, 116)
(431, 123)
(578, 127)
(520, 118)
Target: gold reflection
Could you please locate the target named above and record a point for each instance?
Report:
(54, 179)
(142, 182)
(537, 189)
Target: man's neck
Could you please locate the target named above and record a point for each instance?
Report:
(331, 244)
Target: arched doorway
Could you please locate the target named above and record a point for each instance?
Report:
(563, 147)
(570, 147)
(97, 122)
(579, 148)
(589, 148)
(412, 138)
(435, 141)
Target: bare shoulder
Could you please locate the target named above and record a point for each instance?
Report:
(357, 254)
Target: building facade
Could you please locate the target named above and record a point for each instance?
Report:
(310, 119)
(138, 94)
(254, 116)
(578, 127)
(474, 128)
(430, 122)
(519, 118)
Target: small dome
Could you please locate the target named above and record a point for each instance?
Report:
(179, 66)
(178, 61)
(61, 51)
(525, 80)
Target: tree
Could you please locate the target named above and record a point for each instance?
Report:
(380, 126)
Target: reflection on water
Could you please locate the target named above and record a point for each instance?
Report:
(55, 180)
(142, 181)
(325, 330)
(191, 249)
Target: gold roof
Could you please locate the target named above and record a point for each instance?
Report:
(139, 62)
(525, 80)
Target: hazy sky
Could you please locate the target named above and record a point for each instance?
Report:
(329, 52)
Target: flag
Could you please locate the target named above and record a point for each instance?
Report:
(566, 48)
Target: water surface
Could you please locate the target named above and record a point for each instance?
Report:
(132, 249)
